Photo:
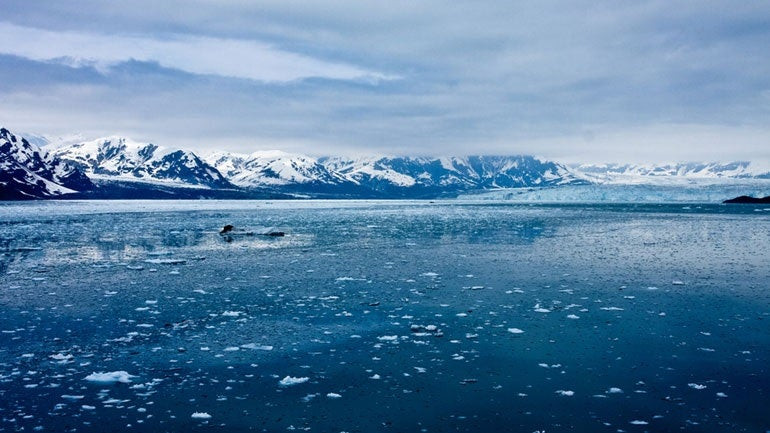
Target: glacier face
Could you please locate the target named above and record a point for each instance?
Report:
(701, 191)
(28, 172)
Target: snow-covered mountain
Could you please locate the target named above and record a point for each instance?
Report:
(386, 176)
(670, 173)
(273, 168)
(28, 172)
(124, 168)
(451, 173)
(121, 159)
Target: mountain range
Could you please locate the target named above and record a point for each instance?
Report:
(118, 167)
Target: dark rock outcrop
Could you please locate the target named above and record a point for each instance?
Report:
(745, 199)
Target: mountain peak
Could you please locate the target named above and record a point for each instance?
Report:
(27, 172)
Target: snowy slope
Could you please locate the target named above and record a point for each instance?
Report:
(670, 173)
(27, 172)
(121, 159)
(272, 168)
(451, 173)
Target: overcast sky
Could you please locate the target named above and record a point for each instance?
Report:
(634, 81)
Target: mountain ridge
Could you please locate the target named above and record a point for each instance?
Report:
(118, 167)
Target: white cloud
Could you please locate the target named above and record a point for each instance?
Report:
(195, 54)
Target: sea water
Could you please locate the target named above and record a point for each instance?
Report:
(395, 316)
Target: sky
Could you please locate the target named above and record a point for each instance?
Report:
(576, 81)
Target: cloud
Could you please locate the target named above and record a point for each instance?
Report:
(195, 54)
(585, 79)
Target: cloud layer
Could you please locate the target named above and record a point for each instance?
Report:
(584, 80)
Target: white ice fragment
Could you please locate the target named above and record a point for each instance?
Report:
(721, 395)
(61, 357)
(289, 381)
(614, 391)
(200, 415)
(166, 261)
(254, 346)
(388, 338)
(638, 422)
(677, 283)
(515, 331)
(110, 377)
(565, 393)
(333, 395)
(231, 313)
(696, 386)
(573, 316)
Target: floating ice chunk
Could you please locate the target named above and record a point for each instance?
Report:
(200, 415)
(696, 386)
(61, 357)
(88, 407)
(638, 422)
(72, 397)
(232, 349)
(289, 381)
(678, 283)
(614, 391)
(231, 313)
(721, 395)
(611, 309)
(515, 331)
(254, 346)
(110, 377)
(539, 309)
(573, 316)
(429, 274)
(388, 338)
(375, 376)
(565, 393)
(166, 261)
(333, 395)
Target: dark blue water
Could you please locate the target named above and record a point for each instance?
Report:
(384, 316)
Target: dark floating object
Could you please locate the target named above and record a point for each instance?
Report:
(230, 230)
(745, 199)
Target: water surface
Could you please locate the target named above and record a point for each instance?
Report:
(384, 316)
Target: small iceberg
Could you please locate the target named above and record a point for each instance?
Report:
(110, 377)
